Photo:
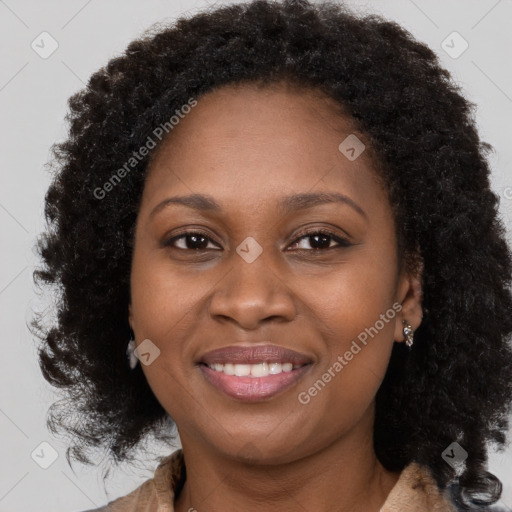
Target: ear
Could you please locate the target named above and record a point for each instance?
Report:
(410, 296)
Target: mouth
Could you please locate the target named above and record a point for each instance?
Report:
(254, 373)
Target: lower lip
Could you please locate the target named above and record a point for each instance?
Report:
(253, 389)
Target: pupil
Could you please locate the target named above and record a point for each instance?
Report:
(195, 244)
(323, 238)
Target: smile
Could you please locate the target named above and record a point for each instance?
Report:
(243, 382)
(253, 370)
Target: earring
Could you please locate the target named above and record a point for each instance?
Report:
(130, 353)
(408, 333)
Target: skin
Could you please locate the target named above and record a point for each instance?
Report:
(247, 148)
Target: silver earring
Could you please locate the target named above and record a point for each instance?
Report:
(130, 353)
(408, 333)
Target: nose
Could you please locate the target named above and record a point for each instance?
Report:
(252, 293)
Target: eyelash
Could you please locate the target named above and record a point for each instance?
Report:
(342, 242)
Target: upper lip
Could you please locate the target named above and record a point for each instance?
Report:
(255, 354)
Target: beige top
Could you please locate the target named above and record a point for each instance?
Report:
(415, 491)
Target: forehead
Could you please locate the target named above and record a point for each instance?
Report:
(292, 113)
(254, 142)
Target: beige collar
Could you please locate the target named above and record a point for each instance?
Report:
(415, 491)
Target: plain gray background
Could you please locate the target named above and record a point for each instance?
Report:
(33, 103)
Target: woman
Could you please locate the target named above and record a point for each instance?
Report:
(281, 214)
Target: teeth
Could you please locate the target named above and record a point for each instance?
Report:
(259, 370)
(242, 370)
(275, 368)
(253, 370)
(228, 369)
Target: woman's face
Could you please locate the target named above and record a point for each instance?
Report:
(258, 273)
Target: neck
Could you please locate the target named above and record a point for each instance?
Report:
(344, 476)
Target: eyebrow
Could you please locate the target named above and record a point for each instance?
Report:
(286, 205)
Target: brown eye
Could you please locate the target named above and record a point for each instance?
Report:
(192, 240)
(319, 240)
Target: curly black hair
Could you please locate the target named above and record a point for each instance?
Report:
(456, 382)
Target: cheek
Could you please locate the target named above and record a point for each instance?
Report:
(355, 315)
(163, 296)
(353, 297)
(164, 307)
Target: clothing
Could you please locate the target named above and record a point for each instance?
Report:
(415, 491)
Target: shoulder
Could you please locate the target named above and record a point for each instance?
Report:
(417, 491)
(143, 498)
(156, 493)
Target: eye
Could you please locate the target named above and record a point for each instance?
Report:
(198, 241)
(192, 240)
(322, 239)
